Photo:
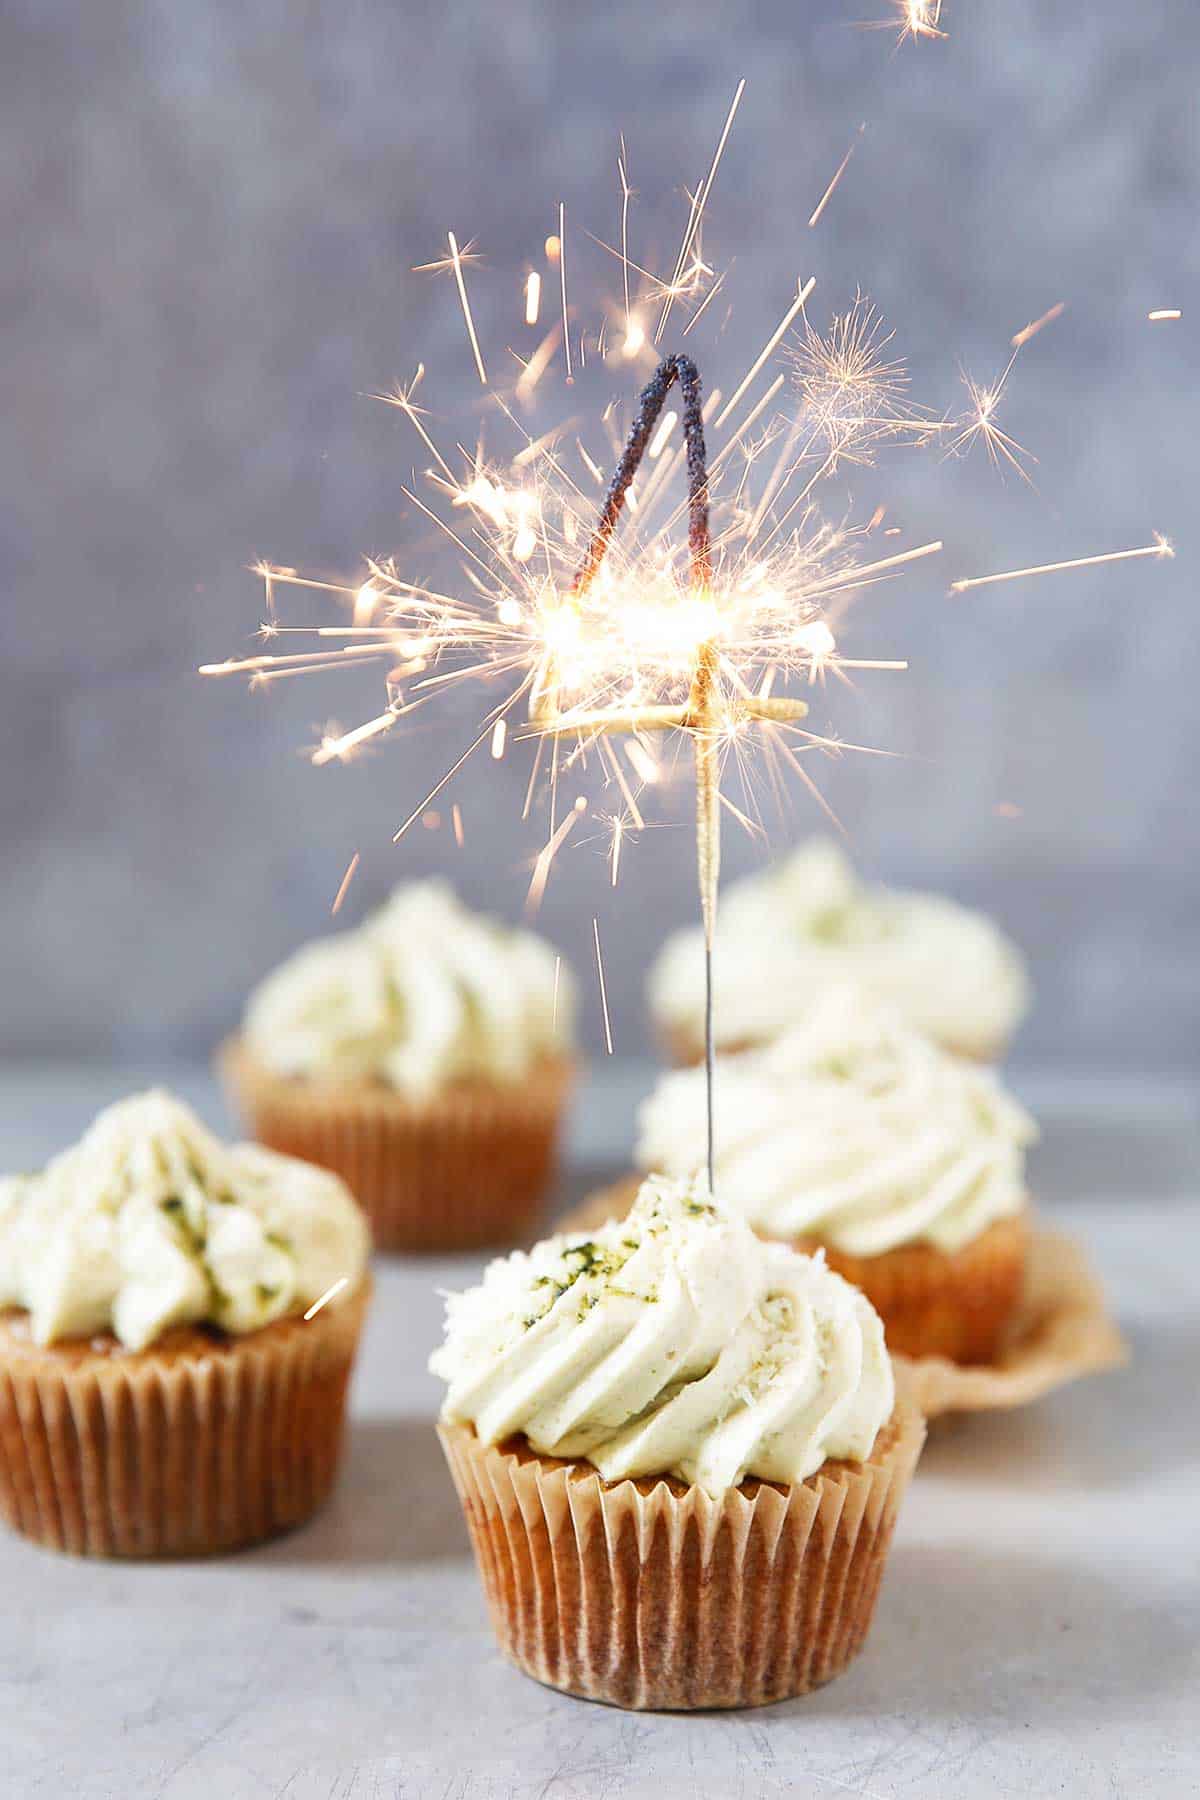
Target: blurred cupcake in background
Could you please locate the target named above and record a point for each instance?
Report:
(178, 1325)
(808, 921)
(854, 1133)
(680, 1452)
(426, 1057)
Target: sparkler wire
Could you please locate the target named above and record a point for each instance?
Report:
(701, 712)
(650, 404)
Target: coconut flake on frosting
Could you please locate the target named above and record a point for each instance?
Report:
(853, 1129)
(422, 994)
(808, 921)
(674, 1342)
(150, 1221)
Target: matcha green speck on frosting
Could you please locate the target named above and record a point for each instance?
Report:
(673, 1342)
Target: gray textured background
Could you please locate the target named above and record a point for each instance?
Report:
(209, 218)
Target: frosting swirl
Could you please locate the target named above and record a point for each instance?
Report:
(673, 1342)
(150, 1221)
(808, 921)
(851, 1128)
(422, 994)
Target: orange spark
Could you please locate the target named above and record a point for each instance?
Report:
(603, 993)
(618, 831)
(330, 1293)
(823, 202)
(697, 212)
(797, 305)
(548, 852)
(658, 442)
(347, 878)
(919, 19)
(1031, 330)
(457, 264)
(562, 283)
(980, 423)
(1159, 548)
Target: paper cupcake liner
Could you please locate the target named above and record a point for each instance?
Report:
(652, 1595)
(467, 1169)
(952, 1304)
(1060, 1328)
(200, 1443)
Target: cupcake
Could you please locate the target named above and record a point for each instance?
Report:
(807, 922)
(680, 1451)
(425, 1058)
(904, 1163)
(178, 1324)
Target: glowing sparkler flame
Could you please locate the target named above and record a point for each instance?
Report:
(630, 638)
(919, 19)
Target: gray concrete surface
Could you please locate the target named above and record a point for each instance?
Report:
(1037, 1631)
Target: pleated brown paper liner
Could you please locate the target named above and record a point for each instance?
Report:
(1060, 1328)
(652, 1595)
(467, 1169)
(199, 1443)
(953, 1304)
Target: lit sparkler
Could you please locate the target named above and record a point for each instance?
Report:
(601, 642)
(711, 707)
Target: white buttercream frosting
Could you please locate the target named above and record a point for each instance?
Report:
(422, 994)
(674, 1342)
(808, 921)
(851, 1128)
(150, 1221)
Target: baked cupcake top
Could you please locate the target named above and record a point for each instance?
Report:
(808, 920)
(423, 994)
(851, 1128)
(150, 1221)
(674, 1342)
